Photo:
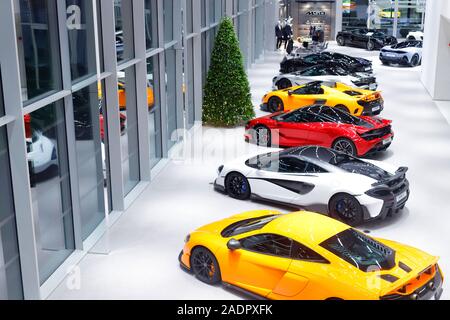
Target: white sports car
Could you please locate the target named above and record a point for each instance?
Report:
(415, 35)
(41, 152)
(407, 53)
(329, 74)
(319, 179)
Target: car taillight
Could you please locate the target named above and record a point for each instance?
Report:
(188, 237)
(371, 97)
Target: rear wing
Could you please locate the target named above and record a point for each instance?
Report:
(399, 175)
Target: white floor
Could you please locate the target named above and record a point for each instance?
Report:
(146, 241)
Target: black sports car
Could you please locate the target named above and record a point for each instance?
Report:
(370, 39)
(352, 64)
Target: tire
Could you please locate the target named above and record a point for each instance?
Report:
(262, 136)
(346, 146)
(342, 108)
(237, 186)
(340, 41)
(411, 38)
(385, 63)
(275, 104)
(205, 267)
(370, 45)
(284, 84)
(415, 61)
(344, 207)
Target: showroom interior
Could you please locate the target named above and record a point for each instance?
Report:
(106, 165)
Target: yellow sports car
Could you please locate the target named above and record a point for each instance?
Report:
(389, 13)
(352, 100)
(304, 255)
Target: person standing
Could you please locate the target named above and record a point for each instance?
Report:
(287, 33)
(279, 34)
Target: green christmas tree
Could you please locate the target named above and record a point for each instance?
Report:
(227, 101)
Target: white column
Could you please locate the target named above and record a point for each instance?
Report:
(436, 51)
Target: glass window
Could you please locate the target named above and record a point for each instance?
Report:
(80, 26)
(411, 17)
(10, 274)
(154, 119)
(189, 77)
(203, 13)
(189, 17)
(293, 165)
(360, 251)
(38, 47)
(171, 95)
(2, 107)
(123, 14)
(270, 244)
(247, 225)
(50, 186)
(88, 132)
(129, 140)
(168, 8)
(212, 11)
(301, 252)
(100, 35)
(151, 26)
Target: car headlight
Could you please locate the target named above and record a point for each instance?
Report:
(220, 169)
(188, 237)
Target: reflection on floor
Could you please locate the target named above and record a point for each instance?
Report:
(146, 241)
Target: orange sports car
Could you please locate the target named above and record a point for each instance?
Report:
(304, 255)
(123, 97)
(352, 100)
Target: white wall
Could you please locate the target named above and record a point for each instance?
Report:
(436, 52)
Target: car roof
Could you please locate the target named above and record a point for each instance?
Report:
(305, 227)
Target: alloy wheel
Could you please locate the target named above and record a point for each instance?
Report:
(344, 146)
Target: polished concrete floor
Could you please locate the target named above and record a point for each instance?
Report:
(144, 244)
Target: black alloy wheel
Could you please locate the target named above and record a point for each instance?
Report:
(346, 208)
(340, 41)
(415, 61)
(205, 266)
(284, 84)
(370, 45)
(262, 136)
(237, 186)
(275, 105)
(346, 146)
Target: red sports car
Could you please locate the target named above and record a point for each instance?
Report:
(322, 126)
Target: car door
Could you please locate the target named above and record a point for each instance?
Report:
(359, 38)
(311, 271)
(292, 129)
(260, 264)
(304, 96)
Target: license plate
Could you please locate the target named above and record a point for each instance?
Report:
(375, 109)
(387, 141)
(368, 69)
(402, 196)
(392, 55)
(372, 86)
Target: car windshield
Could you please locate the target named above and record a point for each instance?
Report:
(247, 225)
(406, 44)
(360, 251)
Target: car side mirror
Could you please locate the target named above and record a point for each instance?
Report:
(290, 92)
(234, 244)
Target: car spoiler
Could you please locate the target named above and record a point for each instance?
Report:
(400, 173)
